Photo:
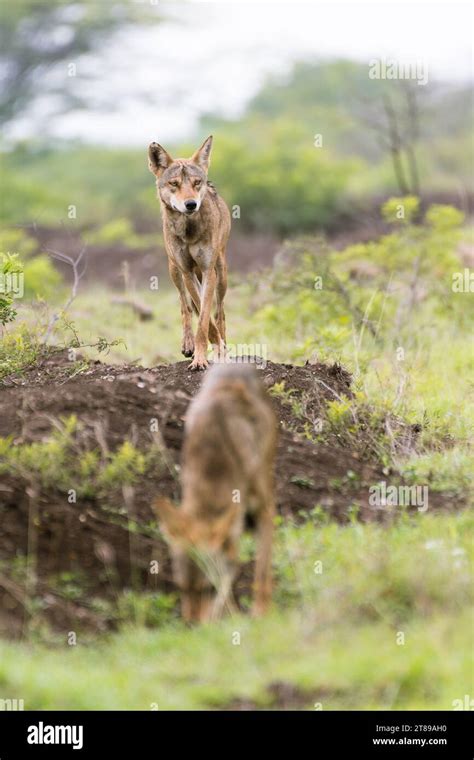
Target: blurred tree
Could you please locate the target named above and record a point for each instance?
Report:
(340, 101)
(36, 34)
(395, 118)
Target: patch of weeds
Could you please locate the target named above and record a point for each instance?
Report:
(152, 610)
(70, 585)
(288, 396)
(20, 348)
(318, 515)
(450, 470)
(302, 481)
(350, 480)
(64, 463)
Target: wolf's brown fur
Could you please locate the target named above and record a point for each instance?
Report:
(227, 481)
(195, 242)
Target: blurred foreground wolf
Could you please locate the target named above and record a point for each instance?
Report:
(227, 485)
(196, 227)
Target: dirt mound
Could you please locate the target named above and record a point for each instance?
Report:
(109, 546)
(123, 401)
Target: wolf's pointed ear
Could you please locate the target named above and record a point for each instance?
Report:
(203, 154)
(174, 524)
(158, 159)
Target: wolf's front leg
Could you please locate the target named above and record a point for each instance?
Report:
(263, 560)
(202, 333)
(187, 346)
(221, 289)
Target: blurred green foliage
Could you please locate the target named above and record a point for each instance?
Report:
(102, 184)
(323, 295)
(41, 279)
(302, 157)
(118, 231)
(284, 185)
(64, 462)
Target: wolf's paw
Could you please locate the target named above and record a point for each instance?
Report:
(198, 364)
(187, 346)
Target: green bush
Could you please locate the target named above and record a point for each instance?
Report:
(116, 232)
(42, 279)
(284, 185)
(409, 268)
(17, 241)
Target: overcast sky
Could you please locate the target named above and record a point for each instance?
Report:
(214, 57)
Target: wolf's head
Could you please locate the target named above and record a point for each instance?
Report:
(202, 562)
(188, 532)
(181, 182)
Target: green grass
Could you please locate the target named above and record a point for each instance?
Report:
(335, 636)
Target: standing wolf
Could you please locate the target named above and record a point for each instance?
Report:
(196, 227)
(227, 484)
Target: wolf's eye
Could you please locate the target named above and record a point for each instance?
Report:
(174, 184)
(198, 183)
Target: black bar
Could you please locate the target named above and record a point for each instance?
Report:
(136, 734)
